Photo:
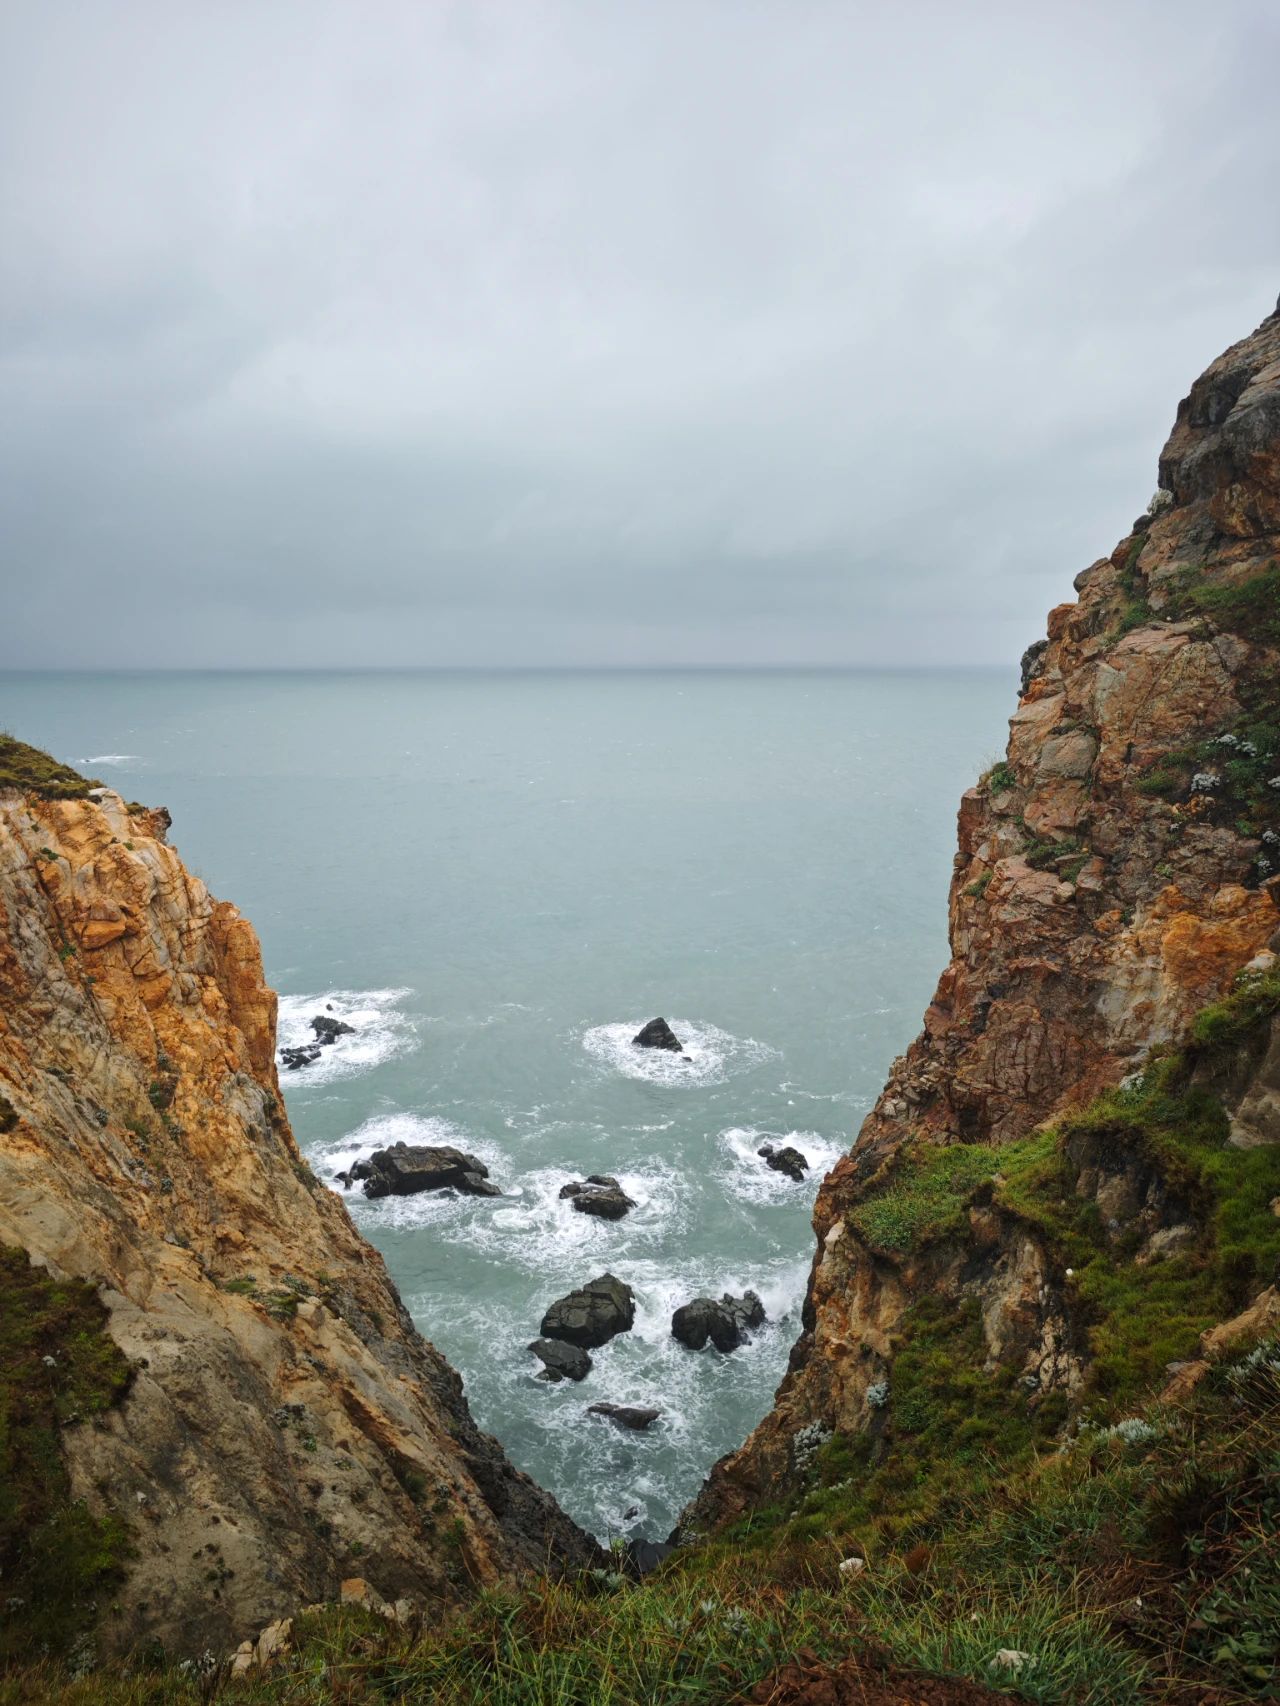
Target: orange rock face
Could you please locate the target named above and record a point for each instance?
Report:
(1112, 877)
(285, 1416)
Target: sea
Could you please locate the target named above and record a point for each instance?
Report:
(495, 879)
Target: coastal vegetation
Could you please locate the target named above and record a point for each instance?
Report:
(34, 772)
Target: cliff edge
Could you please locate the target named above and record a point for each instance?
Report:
(1072, 1171)
(247, 1415)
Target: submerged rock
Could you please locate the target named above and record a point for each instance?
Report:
(786, 1160)
(292, 1058)
(404, 1169)
(591, 1315)
(625, 1415)
(599, 1194)
(658, 1034)
(329, 1030)
(725, 1323)
(561, 1361)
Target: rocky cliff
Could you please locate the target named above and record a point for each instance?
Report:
(271, 1422)
(1005, 1203)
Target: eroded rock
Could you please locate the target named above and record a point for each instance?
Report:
(561, 1360)
(405, 1169)
(598, 1194)
(593, 1314)
(630, 1416)
(786, 1160)
(725, 1323)
(658, 1034)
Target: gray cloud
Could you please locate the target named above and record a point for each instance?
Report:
(589, 332)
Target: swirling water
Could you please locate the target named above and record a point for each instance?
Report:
(495, 879)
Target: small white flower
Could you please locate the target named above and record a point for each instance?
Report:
(1205, 781)
(852, 1566)
(1009, 1658)
(878, 1394)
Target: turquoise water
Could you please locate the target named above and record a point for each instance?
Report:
(497, 878)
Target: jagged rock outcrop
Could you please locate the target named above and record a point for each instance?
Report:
(284, 1417)
(1114, 874)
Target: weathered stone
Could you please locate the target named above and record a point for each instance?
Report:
(304, 1055)
(658, 1034)
(328, 1029)
(786, 1160)
(591, 1315)
(1100, 900)
(599, 1195)
(724, 1323)
(561, 1360)
(405, 1169)
(625, 1415)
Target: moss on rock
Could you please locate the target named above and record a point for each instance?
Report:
(58, 1368)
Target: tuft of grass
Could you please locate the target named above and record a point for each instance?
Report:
(1251, 609)
(926, 1197)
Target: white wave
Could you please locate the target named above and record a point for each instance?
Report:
(380, 1032)
(747, 1176)
(122, 759)
(709, 1056)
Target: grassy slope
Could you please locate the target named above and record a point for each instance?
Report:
(34, 772)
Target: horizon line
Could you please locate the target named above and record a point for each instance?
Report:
(10, 670)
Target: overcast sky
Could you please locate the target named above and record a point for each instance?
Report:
(604, 331)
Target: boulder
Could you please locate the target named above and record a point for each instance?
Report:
(598, 1194)
(658, 1034)
(303, 1055)
(625, 1415)
(405, 1169)
(328, 1030)
(561, 1361)
(725, 1323)
(592, 1314)
(786, 1160)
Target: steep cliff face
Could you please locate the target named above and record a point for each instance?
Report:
(1114, 876)
(285, 1425)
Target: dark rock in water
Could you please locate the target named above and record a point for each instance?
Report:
(329, 1030)
(562, 1361)
(658, 1034)
(599, 1195)
(591, 1315)
(786, 1160)
(724, 1323)
(646, 1555)
(405, 1169)
(303, 1055)
(477, 1185)
(626, 1415)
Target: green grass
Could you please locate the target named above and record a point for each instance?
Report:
(55, 1557)
(34, 772)
(1251, 609)
(1128, 1571)
(927, 1196)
